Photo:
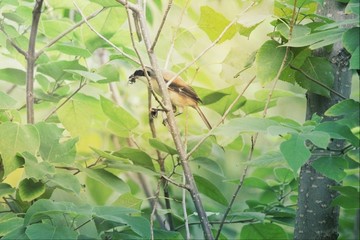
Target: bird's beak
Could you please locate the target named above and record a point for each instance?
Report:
(132, 79)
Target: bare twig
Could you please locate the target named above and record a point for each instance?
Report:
(153, 212)
(72, 28)
(12, 42)
(210, 132)
(30, 58)
(102, 37)
(176, 30)
(186, 219)
(218, 222)
(81, 85)
(180, 185)
(161, 25)
(255, 136)
(210, 46)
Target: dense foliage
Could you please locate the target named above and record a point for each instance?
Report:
(90, 167)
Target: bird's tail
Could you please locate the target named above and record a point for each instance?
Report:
(203, 117)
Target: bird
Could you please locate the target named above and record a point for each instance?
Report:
(181, 94)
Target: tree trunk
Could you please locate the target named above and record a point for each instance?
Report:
(315, 217)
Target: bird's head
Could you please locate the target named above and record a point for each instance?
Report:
(140, 73)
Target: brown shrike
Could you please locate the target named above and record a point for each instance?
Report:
(181, 94)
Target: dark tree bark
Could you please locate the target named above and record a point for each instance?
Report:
(316, 218)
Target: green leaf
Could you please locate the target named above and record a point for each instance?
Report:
(295, 151)
(46, 208)
(112, 213)
(246, 31)
(106, 3)
(319, 69)
(66, 181)
(15, 138)
(331, 167)
(208, 164)
(29, 189)
(93, 77)
(9, 222)
(70, 50)
(6, 189)
(210, 190)
(51, 149)
(157, 144)
(129, 201)
(129, 167)
(338, 131)
(229, 131)
(355, 59)
(110, 72)
(253, 182)
(213, 23)
(35, 169)
(349, 109)
(6, 102)
(318, 138)
(262, 231)
(53, 28)
(137, 156)
(107, 23)
(47, 231)
(283, 175)
(300, 55)
(348, 199)
(98, 192)
(238, 216)
(297, 31)
(316, 38)
(220, 100)
(13, 75)
(110, 156)
(108, 179)
(56, 69)
(268, 61)
(268, 159)
(119, 116)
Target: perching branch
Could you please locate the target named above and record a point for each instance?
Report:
(31, 58)
(171, 123)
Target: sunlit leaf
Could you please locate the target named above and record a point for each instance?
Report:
(7, 102)
(15, 138)
(213, 23)
(35, 169)
(137, 156)
(66, 181)
(207, 164)
(56, 69)
(13, 75)
(70, 50)
(349, 109)
(268, 61)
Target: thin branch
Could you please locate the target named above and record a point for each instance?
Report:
(226, 113)
(66, 100)
(102, 37)
(219, 222)
(174, 35)
(12, 42)
(63, 34)
(180, 185)
(30, 58)
(186, 219)
(317, 82)
(255, 136)
(161, 25)
(217, 40)
(154, 208)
